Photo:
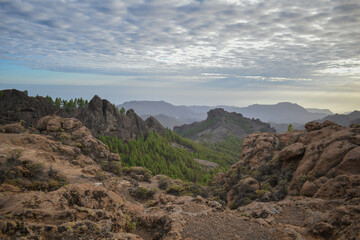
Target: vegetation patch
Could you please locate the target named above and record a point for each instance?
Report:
(29, 175)
(142, 193)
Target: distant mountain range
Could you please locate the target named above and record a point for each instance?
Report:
(344, 119)
(182, 114)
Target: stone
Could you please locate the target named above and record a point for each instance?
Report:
(291, 152)
(312, 126)
(309, 189)
(13, 128)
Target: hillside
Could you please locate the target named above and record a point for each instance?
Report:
(221, 124)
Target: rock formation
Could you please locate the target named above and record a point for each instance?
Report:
(100, 116)
(16, 105)
(221, 124)
(322, 162)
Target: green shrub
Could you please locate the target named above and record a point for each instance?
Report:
(111, 166)
(187, 189)
(129, 225)
(142, 193)
(164, 183)
(35, 169)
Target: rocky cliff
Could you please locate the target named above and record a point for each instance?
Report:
(220, 124)
(16, 105)
(100, 116)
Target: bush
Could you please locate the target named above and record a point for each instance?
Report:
(14, 154)
(111, 166)
(142, 193)
(35, 169)
(164, 183)
(187, 189)
(129, 225)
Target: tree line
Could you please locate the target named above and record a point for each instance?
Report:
(68, 104)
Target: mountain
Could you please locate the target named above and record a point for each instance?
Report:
(100, 116)
(283, 112)
(280, 115)
(317, 110)
(166, 121)
(220, 124)
(344, 119)
(182, 113)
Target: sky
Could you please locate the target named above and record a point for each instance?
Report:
(186, 52)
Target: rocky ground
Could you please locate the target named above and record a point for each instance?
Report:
(59, 182)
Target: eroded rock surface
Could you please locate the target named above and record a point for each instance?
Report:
(321, 162)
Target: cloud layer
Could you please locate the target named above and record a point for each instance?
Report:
(220, 43)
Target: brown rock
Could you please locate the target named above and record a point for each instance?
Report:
(323, 229)
(309, 189)
(350, 163)
(339, 187)
(328, 123)
(13, 128)
(331, 156)
(53, 124)
(291, 152)
(70, 123)
(249, 184)
(9, 188)
(312, 126)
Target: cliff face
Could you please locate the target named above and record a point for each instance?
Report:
(16, 105)
(220, 124)
(100, 116)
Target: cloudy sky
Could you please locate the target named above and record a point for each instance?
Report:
(193, 52)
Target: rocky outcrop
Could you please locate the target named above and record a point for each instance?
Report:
(154, 125)
(320, 166)
(221, 124)
(103, 118)
(17, 106)
(100, 116)
(308, 162)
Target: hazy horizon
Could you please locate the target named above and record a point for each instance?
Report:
(190, 52)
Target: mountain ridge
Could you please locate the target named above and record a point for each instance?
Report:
(100, 116)
(221, 124)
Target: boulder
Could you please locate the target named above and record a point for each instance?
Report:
(249, 184)
(312, 126)
(13, 128)
(309, 189)
(291, 152)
